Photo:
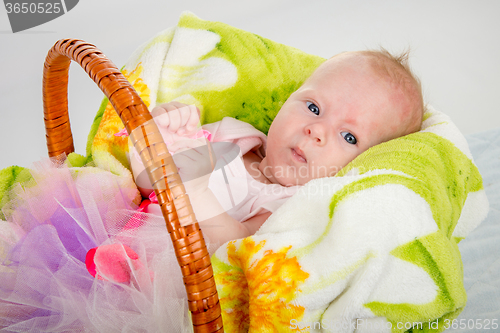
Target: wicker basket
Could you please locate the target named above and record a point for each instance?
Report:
(188, 241)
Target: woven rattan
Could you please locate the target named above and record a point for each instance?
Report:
(188, 241)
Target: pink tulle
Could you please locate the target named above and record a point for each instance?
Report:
(51, 225)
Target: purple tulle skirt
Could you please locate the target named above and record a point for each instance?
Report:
(51, 225)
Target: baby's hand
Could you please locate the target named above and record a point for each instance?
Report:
(177, 118)
(179, 125)
(195, 163)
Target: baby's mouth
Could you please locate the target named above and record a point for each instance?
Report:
(298, 155)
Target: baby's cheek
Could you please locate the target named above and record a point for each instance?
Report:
(347, 158)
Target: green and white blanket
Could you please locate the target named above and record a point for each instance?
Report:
(373, 249)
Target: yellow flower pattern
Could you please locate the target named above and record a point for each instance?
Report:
(105, 139)
(257, 295)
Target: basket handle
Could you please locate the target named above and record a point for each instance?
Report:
(188, 242)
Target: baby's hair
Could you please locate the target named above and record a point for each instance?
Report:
(398, 70)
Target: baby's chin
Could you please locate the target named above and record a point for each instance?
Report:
(302, 181)
(289, 182)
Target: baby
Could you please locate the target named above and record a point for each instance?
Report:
(353, 101)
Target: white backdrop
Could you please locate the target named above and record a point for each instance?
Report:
(455, 48)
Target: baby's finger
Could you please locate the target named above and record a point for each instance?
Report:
(194, 119)
(185, 113)
(160, 115)
(175, 117)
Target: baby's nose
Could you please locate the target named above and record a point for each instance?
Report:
(317, 133)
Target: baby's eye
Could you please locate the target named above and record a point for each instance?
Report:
(314, 109)
(349, 138)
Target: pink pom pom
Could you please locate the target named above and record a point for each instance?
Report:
(111, 262)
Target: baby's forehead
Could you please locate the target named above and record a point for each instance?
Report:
(349, 69)
(358, 67)
(348, 65)
(384, 68)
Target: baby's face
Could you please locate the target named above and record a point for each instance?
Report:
(343, 109)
